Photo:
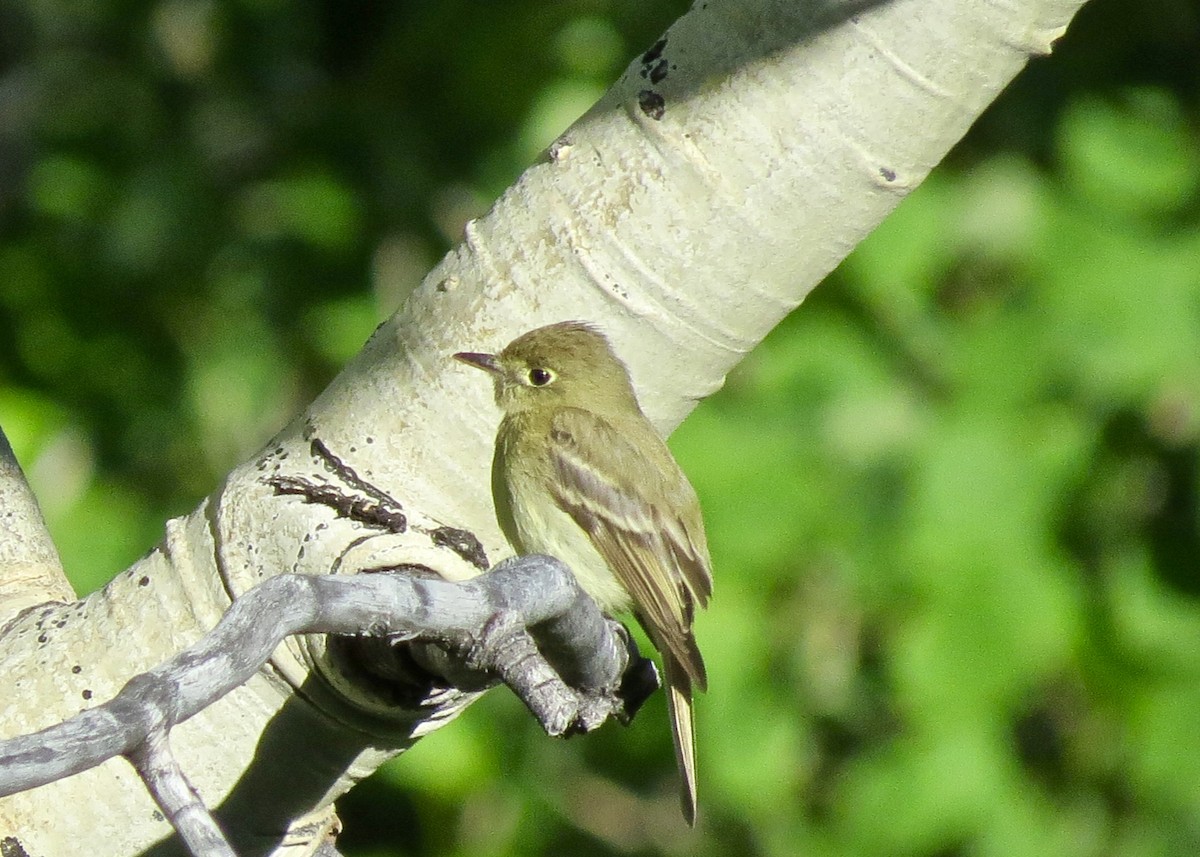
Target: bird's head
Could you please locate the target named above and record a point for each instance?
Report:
(569, 364)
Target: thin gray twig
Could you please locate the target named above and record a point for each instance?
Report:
(526, 622)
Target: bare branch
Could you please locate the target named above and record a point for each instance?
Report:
(173, 792)
(526, 622)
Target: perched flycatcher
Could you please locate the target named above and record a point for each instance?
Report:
(579, 473)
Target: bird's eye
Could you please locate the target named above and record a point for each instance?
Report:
(540, 377)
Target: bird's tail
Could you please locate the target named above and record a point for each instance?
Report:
(679, 706)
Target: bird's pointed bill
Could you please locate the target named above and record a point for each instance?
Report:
(486, 362)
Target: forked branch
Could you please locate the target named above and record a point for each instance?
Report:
(526, 623)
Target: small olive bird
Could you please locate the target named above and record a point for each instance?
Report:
(579, 473)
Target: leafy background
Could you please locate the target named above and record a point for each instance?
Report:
(953, 500)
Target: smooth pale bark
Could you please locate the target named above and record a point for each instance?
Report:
(723, 176)
(30, 570)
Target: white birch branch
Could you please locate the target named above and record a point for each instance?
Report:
(30, 570)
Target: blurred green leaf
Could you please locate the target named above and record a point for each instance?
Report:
(315, 208)
(1135, 154)
(67, 187)
(337, 329)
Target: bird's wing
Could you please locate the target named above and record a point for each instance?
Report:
(656, 550)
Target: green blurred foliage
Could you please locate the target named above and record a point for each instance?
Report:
(954, 500)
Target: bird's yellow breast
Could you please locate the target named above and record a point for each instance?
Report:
(535, 523)
(542, 527)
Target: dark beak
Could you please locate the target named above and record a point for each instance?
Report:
(486, 362)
